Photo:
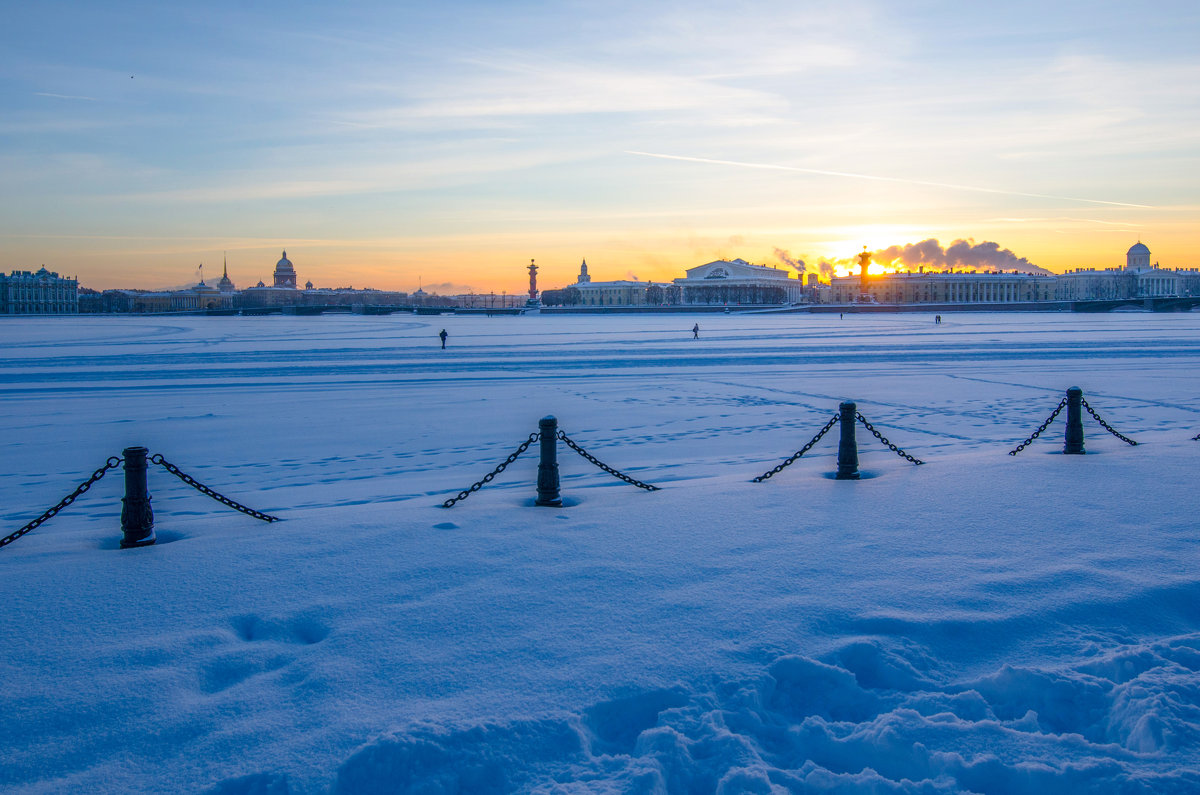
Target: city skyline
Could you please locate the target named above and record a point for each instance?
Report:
(383, 145)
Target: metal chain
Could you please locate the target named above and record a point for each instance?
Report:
(1196, 438)
(890, 446)
(787, 462)
(1041, 428)
(462, 495)
(633, 481)
(200, 487)
(1106, 426)
(112, 463)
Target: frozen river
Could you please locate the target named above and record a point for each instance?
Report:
(982, 623)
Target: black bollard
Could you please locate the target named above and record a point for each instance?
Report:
(547, 484)
(1074, 437)
(848, 448)
(137, 519)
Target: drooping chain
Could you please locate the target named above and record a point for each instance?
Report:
(620, 475)
(1196, 438)
(858, 416)
(112, 463)
(1041, 428)
(200, 487)
(787, 462)
(1106, 426)
(462, 495)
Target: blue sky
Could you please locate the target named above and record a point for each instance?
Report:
(385, 143)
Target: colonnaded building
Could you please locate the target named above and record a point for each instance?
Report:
(944, 287)
(40, 293)
(1138, 279)
(733, 282)
(723, 282)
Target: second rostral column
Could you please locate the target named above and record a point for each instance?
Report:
(533, 290)
(864, 262)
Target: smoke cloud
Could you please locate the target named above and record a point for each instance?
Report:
(959, 255)
(448, 288)
(786, 258)
(632, 276)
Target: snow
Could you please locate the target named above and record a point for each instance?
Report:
(982, 623)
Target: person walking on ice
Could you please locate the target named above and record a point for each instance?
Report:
(696, 331)
(443, 335)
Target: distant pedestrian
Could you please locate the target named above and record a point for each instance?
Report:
(443, 335)
(841, 316)
(937, 320)
(696, 331)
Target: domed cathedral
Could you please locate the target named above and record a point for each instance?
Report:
(285, 274)
(1138, 257)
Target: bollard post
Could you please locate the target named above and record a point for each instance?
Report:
(847, 448)
(137, 519)
(547, 484)
(1074, 436)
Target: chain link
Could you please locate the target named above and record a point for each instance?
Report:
(632, 481)
(1196, 438)
(1040, 429)
(489, 477)
(787, 462)
(858, 416)
(200, 487)
(112, 463)
(1106, 426)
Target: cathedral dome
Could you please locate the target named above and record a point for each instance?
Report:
(285, 274)
(1138, 248)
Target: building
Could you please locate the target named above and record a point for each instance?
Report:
(38, 293)
(285, 274)
(625, 292)
(197, 298)
(1138, 279)
(226, 284)
(949, 287)
(738, 282)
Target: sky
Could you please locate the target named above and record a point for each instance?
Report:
(391, 144)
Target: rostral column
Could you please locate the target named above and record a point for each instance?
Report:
(533, 291)
(864, 260)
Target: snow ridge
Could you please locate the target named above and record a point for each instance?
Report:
(867, 720)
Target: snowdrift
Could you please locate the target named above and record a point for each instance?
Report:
(982, 623)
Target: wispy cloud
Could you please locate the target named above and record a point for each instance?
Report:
(63, 96)
(878, 178)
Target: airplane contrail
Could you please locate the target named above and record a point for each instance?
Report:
(773, 167)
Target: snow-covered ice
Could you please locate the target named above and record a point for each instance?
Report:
(983, 623)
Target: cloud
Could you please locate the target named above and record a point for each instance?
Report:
(632, 276)
(447, 288)
(960, 254)
(786, 258)
(63, 96)
(876, 178)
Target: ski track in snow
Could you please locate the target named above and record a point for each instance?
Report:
(980, 624)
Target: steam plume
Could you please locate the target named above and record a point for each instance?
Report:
(785, 257)
(961, 254)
